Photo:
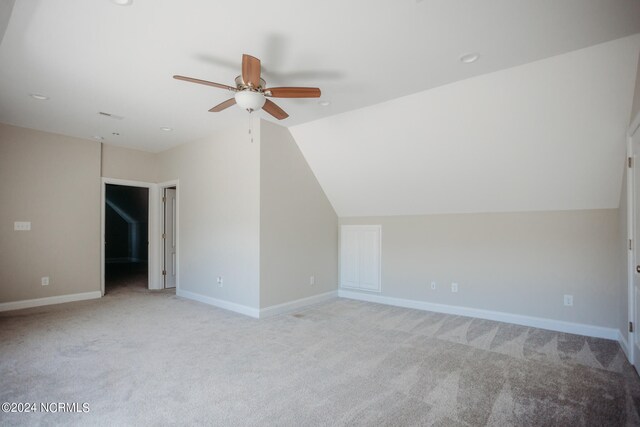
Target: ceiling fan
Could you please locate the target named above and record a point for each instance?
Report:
(251, 92)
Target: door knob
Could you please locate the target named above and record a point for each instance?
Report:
(637, 268)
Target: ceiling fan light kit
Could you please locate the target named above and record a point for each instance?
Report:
(251, 92)
(250, 100)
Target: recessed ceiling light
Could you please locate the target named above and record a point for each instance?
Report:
(166, 129)
(38, 96)
(122, 2)
(468, 58)
(98, 137)
(324, 103)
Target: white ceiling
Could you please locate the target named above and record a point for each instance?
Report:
(91, 55)
(548, 135)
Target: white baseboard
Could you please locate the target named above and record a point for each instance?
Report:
(29, 303)
(536, 322)
(227, 305)
(296, 304)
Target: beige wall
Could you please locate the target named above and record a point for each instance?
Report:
(219, 214)
(125, 163)
(298, 226)
(635, 109)
(54, 182)
(519, 263)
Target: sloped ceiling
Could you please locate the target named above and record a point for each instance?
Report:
(91, 56)
(548, 135)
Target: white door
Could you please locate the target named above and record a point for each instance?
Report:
(634, 292)
(349, 274)
(360, 257)
(169, 238)
(369, 265)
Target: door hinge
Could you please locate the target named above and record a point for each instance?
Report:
(630, 244)
(164, 236)
(164, 272)
(630, 326)
(630, 161)
(164, 199)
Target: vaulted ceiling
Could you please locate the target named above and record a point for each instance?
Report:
(548, 135)
(536, 123)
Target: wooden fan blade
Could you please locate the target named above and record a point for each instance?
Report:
(277, 112)
(293, 92)
(204, 82)
(223, 105)
(250, 70)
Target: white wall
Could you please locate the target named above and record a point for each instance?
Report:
(519, 263)
(54, 182)
(219, 214)
(298, 226)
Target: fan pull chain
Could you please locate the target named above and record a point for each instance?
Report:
(250, 127)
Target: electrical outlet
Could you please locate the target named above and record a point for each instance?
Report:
(45, 281)
(220, 283)
(454, 287)
(312, 280)
(568, 300)
(433, 286)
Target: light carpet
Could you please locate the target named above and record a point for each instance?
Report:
(151, 358)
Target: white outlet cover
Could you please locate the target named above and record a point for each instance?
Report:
(22, 226)
(454, 287)
(312, 280)
(433, 286)
(45, 281)
(568, 300)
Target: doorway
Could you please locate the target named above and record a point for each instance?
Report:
(126, 237)
(155, 218)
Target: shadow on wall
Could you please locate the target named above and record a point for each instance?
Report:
(126, 223)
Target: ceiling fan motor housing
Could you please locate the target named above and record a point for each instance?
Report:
(240, 84)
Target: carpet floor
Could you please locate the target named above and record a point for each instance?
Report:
(126, 274)
(151, 358)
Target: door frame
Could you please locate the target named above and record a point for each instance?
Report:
(152, 255)
(160, 229)
(630, 343)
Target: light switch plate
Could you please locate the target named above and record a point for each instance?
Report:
(22, 226)
(568, 300)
